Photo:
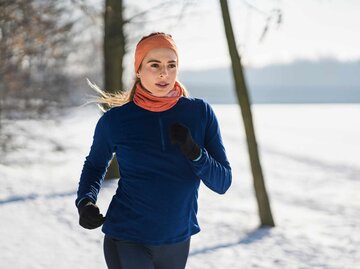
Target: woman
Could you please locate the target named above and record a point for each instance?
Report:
(165, 143)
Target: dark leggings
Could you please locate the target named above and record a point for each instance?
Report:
(123, 254)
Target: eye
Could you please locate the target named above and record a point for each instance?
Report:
(154, 65)
(172, 65)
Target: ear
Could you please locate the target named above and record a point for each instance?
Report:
(138, 75)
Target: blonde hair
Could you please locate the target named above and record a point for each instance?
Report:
(106, 100)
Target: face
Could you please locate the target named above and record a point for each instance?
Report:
(158, 71)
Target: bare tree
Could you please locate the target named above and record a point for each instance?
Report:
(114, 52)
(243, 99)
(33, 49)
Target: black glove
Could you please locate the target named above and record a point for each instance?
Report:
(90, 217)
(180, 134)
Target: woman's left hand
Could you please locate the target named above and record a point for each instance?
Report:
(181, 135)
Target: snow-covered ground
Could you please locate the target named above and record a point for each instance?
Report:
(311, 163)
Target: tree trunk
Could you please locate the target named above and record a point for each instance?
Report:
(243, 99)
(114, 51)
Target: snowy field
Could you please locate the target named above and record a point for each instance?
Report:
(311, 163)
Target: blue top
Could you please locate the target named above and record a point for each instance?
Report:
(156, 199)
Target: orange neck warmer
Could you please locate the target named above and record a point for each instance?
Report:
(146, 100)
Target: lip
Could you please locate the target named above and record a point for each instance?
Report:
(162, 84)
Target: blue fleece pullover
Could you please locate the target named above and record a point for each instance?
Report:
(156, 199)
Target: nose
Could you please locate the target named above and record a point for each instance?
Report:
(163, 72)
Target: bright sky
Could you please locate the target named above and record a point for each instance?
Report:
(311, 29)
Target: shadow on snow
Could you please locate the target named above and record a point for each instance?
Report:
(251, 237)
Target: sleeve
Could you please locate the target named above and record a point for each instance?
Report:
(97, 162)
(213, 167)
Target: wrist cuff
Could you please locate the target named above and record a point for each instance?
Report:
(82, 199)
(198, 158)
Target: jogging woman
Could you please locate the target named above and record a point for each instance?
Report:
(166, 143)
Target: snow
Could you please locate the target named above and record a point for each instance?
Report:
(309, 155)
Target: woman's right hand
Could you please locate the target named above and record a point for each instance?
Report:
(89, 215)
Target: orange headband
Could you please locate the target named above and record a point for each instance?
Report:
(153, 42)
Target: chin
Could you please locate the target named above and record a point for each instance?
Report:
(161, 94)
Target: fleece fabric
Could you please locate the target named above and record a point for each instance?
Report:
(156, 199)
